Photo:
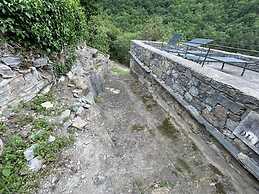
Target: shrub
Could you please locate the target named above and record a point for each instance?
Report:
(120, 47)
(49, 24)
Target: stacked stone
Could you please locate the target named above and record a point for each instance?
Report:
(17, 82)
(218, 105)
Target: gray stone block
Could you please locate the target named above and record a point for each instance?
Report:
(11, 61)
(188, 96)
(231, 125)
(217, 117)
(234, 107)
(194, 91)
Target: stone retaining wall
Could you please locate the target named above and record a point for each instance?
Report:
(216, 100)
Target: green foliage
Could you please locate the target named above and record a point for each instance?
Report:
(229, 22)
(99, 29)
(15, 177)
(2, 127)
(62, 68)
(35, 104)
(119, 48)
(50, 24)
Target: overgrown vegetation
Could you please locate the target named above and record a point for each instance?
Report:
(29, 126)
(15, 177)
(53, 26)
(50, 24)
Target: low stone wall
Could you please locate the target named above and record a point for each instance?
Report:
(216, 100)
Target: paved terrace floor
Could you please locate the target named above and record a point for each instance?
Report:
(250, 76)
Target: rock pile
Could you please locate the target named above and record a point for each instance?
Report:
(18, 81)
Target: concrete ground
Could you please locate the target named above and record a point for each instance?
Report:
(250, 76)
(130, 145)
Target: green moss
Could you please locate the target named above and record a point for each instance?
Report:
(117, 70)
(137, 128)
(182, 166)
(168, 129)
(3, 127)
(98, 99)
(215, 170)
(220, 188)
(165, 183)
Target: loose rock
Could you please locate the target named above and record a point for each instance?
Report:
(13, 62)
(62, 79)
(35, 164)
(77, 92)
(79, 123)
(1, 147)
(40, 62)
(47, 105)
(89, 99)
(99, 179)
(29, 152)
(46, 89)
(51, 139)
(80, 111)
(65, 115)
(162, 190)
(6, 72)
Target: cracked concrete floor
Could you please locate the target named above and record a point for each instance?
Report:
(130, 146)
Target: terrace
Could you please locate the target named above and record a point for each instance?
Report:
(242, 66)
(224, 101)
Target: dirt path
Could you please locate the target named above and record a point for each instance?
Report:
(130, 146)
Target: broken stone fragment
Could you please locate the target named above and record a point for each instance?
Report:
(47, 105)
(13, 62)
(6, 72)
(77, 93)
(65, 115)
(29, 152)
(89, 99)
(114, 90)
(70, 85)
(51, 139)
(40, 62)
(78, 123)
(70, 75)
(80, 111)
(81, 83)
(35, 164)
(87, 106)
(46, 89)
(1, 147)
(162, 190)
(62, 79)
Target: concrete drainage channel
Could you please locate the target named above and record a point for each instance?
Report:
(131, 145)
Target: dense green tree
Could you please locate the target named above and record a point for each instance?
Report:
(229, 22)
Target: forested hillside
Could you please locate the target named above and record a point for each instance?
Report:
(230, 22)
(109, 25)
